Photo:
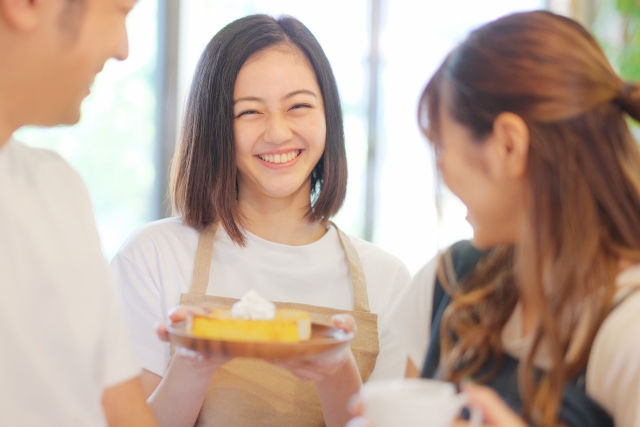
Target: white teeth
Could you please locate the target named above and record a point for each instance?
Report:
(280, 158)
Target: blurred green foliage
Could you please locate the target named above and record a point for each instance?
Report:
(616, 25)
(629, 55)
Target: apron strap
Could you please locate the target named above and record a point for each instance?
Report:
(204, 252)
(360, 297)
(201, 267)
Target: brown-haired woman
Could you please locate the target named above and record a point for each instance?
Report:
(260, 170)
(529, 123)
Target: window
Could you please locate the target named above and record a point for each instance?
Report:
(414, 38)
(344, 38)
(122, 144)
(414, 41)
(113, 146)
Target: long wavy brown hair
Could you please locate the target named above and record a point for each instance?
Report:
(583, 197)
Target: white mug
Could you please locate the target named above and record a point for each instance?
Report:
(414, 403)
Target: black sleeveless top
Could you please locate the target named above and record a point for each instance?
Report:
(576, 410)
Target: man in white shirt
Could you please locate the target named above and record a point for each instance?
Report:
(66, 359)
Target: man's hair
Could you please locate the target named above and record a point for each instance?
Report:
(71, 15)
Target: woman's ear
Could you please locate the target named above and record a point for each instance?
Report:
(511, 138)
(20, 15)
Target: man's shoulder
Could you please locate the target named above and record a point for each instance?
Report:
(39, 163)
(36, 155)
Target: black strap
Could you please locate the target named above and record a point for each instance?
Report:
(577, 408)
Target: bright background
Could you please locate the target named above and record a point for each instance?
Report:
(116, 146)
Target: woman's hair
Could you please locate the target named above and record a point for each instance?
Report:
(204, 171)
(583, 195)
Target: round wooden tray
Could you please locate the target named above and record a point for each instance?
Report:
(323, 339)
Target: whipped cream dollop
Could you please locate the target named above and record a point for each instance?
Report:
(253, 307)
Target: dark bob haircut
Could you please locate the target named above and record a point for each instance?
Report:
(204, 171)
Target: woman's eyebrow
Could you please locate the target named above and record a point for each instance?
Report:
(298, 92)
(284, 98)
(249, 98)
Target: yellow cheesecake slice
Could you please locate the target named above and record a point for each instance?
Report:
(288, 326)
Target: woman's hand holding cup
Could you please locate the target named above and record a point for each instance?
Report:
(495, 412)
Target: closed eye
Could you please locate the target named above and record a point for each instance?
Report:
(297, 106)
(242, 113)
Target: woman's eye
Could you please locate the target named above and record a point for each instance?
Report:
(298, 106)
(243, 113)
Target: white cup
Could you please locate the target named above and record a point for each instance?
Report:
(413, 403)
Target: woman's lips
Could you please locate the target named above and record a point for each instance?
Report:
(280, 158)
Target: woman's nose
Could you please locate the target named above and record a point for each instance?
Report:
(278, 130)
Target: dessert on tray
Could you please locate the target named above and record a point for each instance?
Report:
(254, 319)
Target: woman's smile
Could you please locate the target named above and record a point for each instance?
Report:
(279, 125)
(280, 158)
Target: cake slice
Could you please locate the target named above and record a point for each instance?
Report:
(243, 323)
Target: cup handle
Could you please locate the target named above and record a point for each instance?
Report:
(475, 414)
(475, 418)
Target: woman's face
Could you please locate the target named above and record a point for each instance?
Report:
(279, 124)
(484, 175)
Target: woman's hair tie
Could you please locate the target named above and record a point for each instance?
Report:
(629, 99)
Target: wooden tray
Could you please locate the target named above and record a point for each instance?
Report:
(323, 339)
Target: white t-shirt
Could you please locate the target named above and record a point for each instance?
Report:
(156, 264)
(613, 371)
(62, 337)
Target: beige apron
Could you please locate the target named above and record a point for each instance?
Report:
(252, 392)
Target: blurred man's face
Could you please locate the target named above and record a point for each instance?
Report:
(76, 42)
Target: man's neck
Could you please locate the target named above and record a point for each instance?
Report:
(5, 133)
(7, 127)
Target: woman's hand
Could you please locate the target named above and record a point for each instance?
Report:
(356, 409)
(191, 358)
(495, 412)
(177, 314)
(325, 365)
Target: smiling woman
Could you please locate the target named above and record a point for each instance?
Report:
(279, 139)
(255, 93)
(260, 169)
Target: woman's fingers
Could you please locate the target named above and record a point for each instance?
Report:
(359, 422)
(345, 322)
(181, 312)
(161, 330)
(177, 314)
(495, 412)
(355, 406)
(317, 368)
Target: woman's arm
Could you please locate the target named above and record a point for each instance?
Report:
(336, 376)
(177, 397)
(336, 390)
(124, 406)
(411, 370)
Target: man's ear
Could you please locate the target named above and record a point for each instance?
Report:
(21, 15)
(511, 134)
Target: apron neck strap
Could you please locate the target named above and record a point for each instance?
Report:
(204, 253)
(200, 280)
(360, 297)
